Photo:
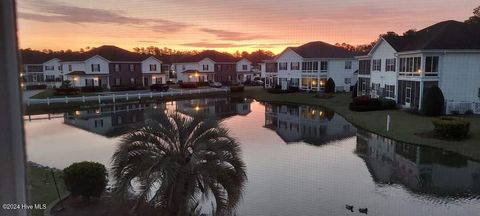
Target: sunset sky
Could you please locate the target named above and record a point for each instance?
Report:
(223, 25)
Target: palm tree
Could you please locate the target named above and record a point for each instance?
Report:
(175, 161)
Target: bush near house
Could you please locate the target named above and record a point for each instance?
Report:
(36, 87)
(330, 86)
(238, 88)
(433, 102)
(188, 85)
(365, 103)
(452, 128)
(67, 91)
(85, 179)
(91, 89)
(126, 88)
(354, 91)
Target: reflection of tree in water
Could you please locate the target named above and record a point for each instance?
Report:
(177, 162)
(423, 170)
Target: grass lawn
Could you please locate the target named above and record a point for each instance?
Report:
(403, 125)
(41, 189)
(50, 93)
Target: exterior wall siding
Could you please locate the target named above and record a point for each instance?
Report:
(225, 73)
(460, 77)
(125, 75)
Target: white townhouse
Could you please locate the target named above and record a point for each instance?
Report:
(245, 70)
(108, 66)
(446, 54)
(41, 70)
(209, 65)
(309, 66)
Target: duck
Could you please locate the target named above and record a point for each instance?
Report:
(363, 210)
(349, 207)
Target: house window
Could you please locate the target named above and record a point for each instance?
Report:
(132, 81)
(183, 67)
(390, 91)
(323, 66)
(153, 67)
(348, 80)
(132, 67)
(50, 78)
(376, 64)
(95, 67)
(431, 64)
(310, 66)
(49, 68)
(205, 67)
(348, 65)
(60, 67)
(117, 68)
(244, 67)
(118, 81)
(282, 66)
(69, 67)
(295, 66)
(410, 64)
(390, 65)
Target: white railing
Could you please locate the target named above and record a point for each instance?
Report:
(113, 97)
(462, 107)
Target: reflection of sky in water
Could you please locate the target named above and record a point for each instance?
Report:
(299, 178)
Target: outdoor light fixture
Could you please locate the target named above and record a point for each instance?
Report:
(419, 71)
(314, 82)
(197, 108)
(322, 83)
(77, 113)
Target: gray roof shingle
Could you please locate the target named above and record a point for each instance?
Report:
(319, 49)
(444, 35)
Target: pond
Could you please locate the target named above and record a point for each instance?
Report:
(300, 160)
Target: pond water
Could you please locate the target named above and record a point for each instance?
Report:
(300, 160)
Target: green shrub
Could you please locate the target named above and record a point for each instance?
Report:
(86, 179)
(322, 95)
(354, 91)
(279, 91)
(451, 127)
(330, 86)
(365, 103)
(433, 102)
(239, 88)
(388, 103)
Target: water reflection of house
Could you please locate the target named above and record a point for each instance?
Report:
(421, 169)
(312, 125)
(110, 121)
(219, 107)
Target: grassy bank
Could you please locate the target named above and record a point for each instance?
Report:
(403, 125)
(41, 188)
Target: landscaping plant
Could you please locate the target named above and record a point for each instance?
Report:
(452, 128)
(433, 102)
(175, 160)
(330, 86)
(85, 179)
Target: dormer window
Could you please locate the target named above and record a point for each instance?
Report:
(153, 67)
(244, 67)
(205, 67)
(95, 67)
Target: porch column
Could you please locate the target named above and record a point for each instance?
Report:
(12, 141)
(420, 96)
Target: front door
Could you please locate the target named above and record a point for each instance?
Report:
(145, 81)
(408, 96)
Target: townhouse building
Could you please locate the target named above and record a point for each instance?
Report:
(403, 68)
(210, 65)
(41, 71)
(309, 66)
(108, 66)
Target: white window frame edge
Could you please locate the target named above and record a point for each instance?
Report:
(12, 141)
